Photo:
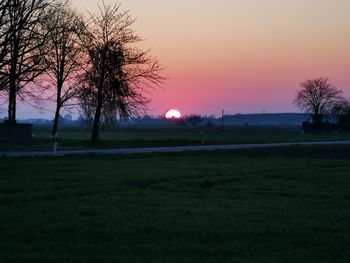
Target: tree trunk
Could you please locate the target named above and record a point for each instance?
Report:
(317, 122)
(56, 119)
(12, 101)
(95, 136)
(58, 108)
(13, 81)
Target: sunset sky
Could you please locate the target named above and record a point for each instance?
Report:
(241, 55)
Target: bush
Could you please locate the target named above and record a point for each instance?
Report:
(344, 120)
(307, 126)
(323, 127)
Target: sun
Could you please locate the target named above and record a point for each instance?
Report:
(173, 114)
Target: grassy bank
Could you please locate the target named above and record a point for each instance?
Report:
(274, 205)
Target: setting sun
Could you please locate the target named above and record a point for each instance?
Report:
(173, 114)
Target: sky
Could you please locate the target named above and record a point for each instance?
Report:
(243, 56)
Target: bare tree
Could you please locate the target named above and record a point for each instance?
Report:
(5, 31)
(22, 62)
(119, 75)
(63, 56)
(318, 97)
(87, 101)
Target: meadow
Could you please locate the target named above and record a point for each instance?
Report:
(263, 205)
(124, 137)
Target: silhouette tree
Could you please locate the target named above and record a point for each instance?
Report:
(318, 97)
(22, 47)
(118, 74)
(5, 31)
(63, 55)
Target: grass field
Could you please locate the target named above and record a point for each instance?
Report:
(170, 136)
(272, 205)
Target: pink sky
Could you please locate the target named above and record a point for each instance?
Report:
(241, 55)
(244, 56)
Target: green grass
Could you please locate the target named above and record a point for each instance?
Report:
(272, 205)
(171, 136)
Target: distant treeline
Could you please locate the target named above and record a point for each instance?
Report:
(191, 120)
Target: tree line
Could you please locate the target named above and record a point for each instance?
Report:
(91, 60)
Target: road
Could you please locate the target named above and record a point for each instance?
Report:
(17, 154)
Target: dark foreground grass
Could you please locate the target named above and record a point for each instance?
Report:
(275, 205)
